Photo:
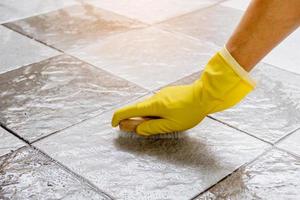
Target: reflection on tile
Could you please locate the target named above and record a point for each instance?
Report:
(273, 176)
(15, 9)
(152, 11)
(286, 54)
(150, 57)
(272, 110)
(177, 167)
(74, 27)
(39, 99)
(28, 174)
(8, 142)
(291, 143)
(214, 24)
(237, 4)
(187, 80)
(17, 50)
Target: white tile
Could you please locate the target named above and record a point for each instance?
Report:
(291, 143)
(16, 9)
(131, 167)
(152, 11)
(149, 57)
(287, 54)
(237, 4)
(8, 142)
(17, 50)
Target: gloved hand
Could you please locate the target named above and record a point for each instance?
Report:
(222, 84)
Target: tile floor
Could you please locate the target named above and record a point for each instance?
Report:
(66, 65)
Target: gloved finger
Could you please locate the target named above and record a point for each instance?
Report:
(141, 109)
(156, 126)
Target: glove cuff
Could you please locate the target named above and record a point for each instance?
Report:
(236, 67)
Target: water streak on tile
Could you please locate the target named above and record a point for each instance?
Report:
(74, 27)
(8, 142)
(17, 50)
(27, 174)
(39, 99)
(273, 176)
(170, 167)
(152, 11)
(150, 57)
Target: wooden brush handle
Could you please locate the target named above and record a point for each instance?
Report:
(129, 125)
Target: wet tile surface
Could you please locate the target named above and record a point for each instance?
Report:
(39, 99)
(131, 167)
(16, 9)
(273, 176)
(214, 24)
(28, 174)
(152, 11)
(291, 143)
(272, 110)
(74, 27)
(17, 50)
(150, 57)
(8, 142)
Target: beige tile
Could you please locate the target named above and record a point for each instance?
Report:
(8, 142)
(214, 24)
(17, 50)
(17, 9)
(149, 57)
(273, 176)
(152, 11)
(74, 27)
(291, 143)
(167, 167)
(45, 97)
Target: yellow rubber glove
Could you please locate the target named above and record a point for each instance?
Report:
(222, 84)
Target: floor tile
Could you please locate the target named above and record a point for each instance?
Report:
(273, 176)
(213, 24)
(291, 143)
(16, 9)
(237, 4)
(149, 57)
(74, 27)
(38, 99)
(152, 11)
(286, 54)
(28, 174)
(174, 167)
(272, 110)
(8, 142)
(17, 50)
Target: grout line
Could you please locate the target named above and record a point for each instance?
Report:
(14, 133)
(234, 171)
(288, 152)
(265, 141)
(92, 117)
(285, 136)
(81, 178)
